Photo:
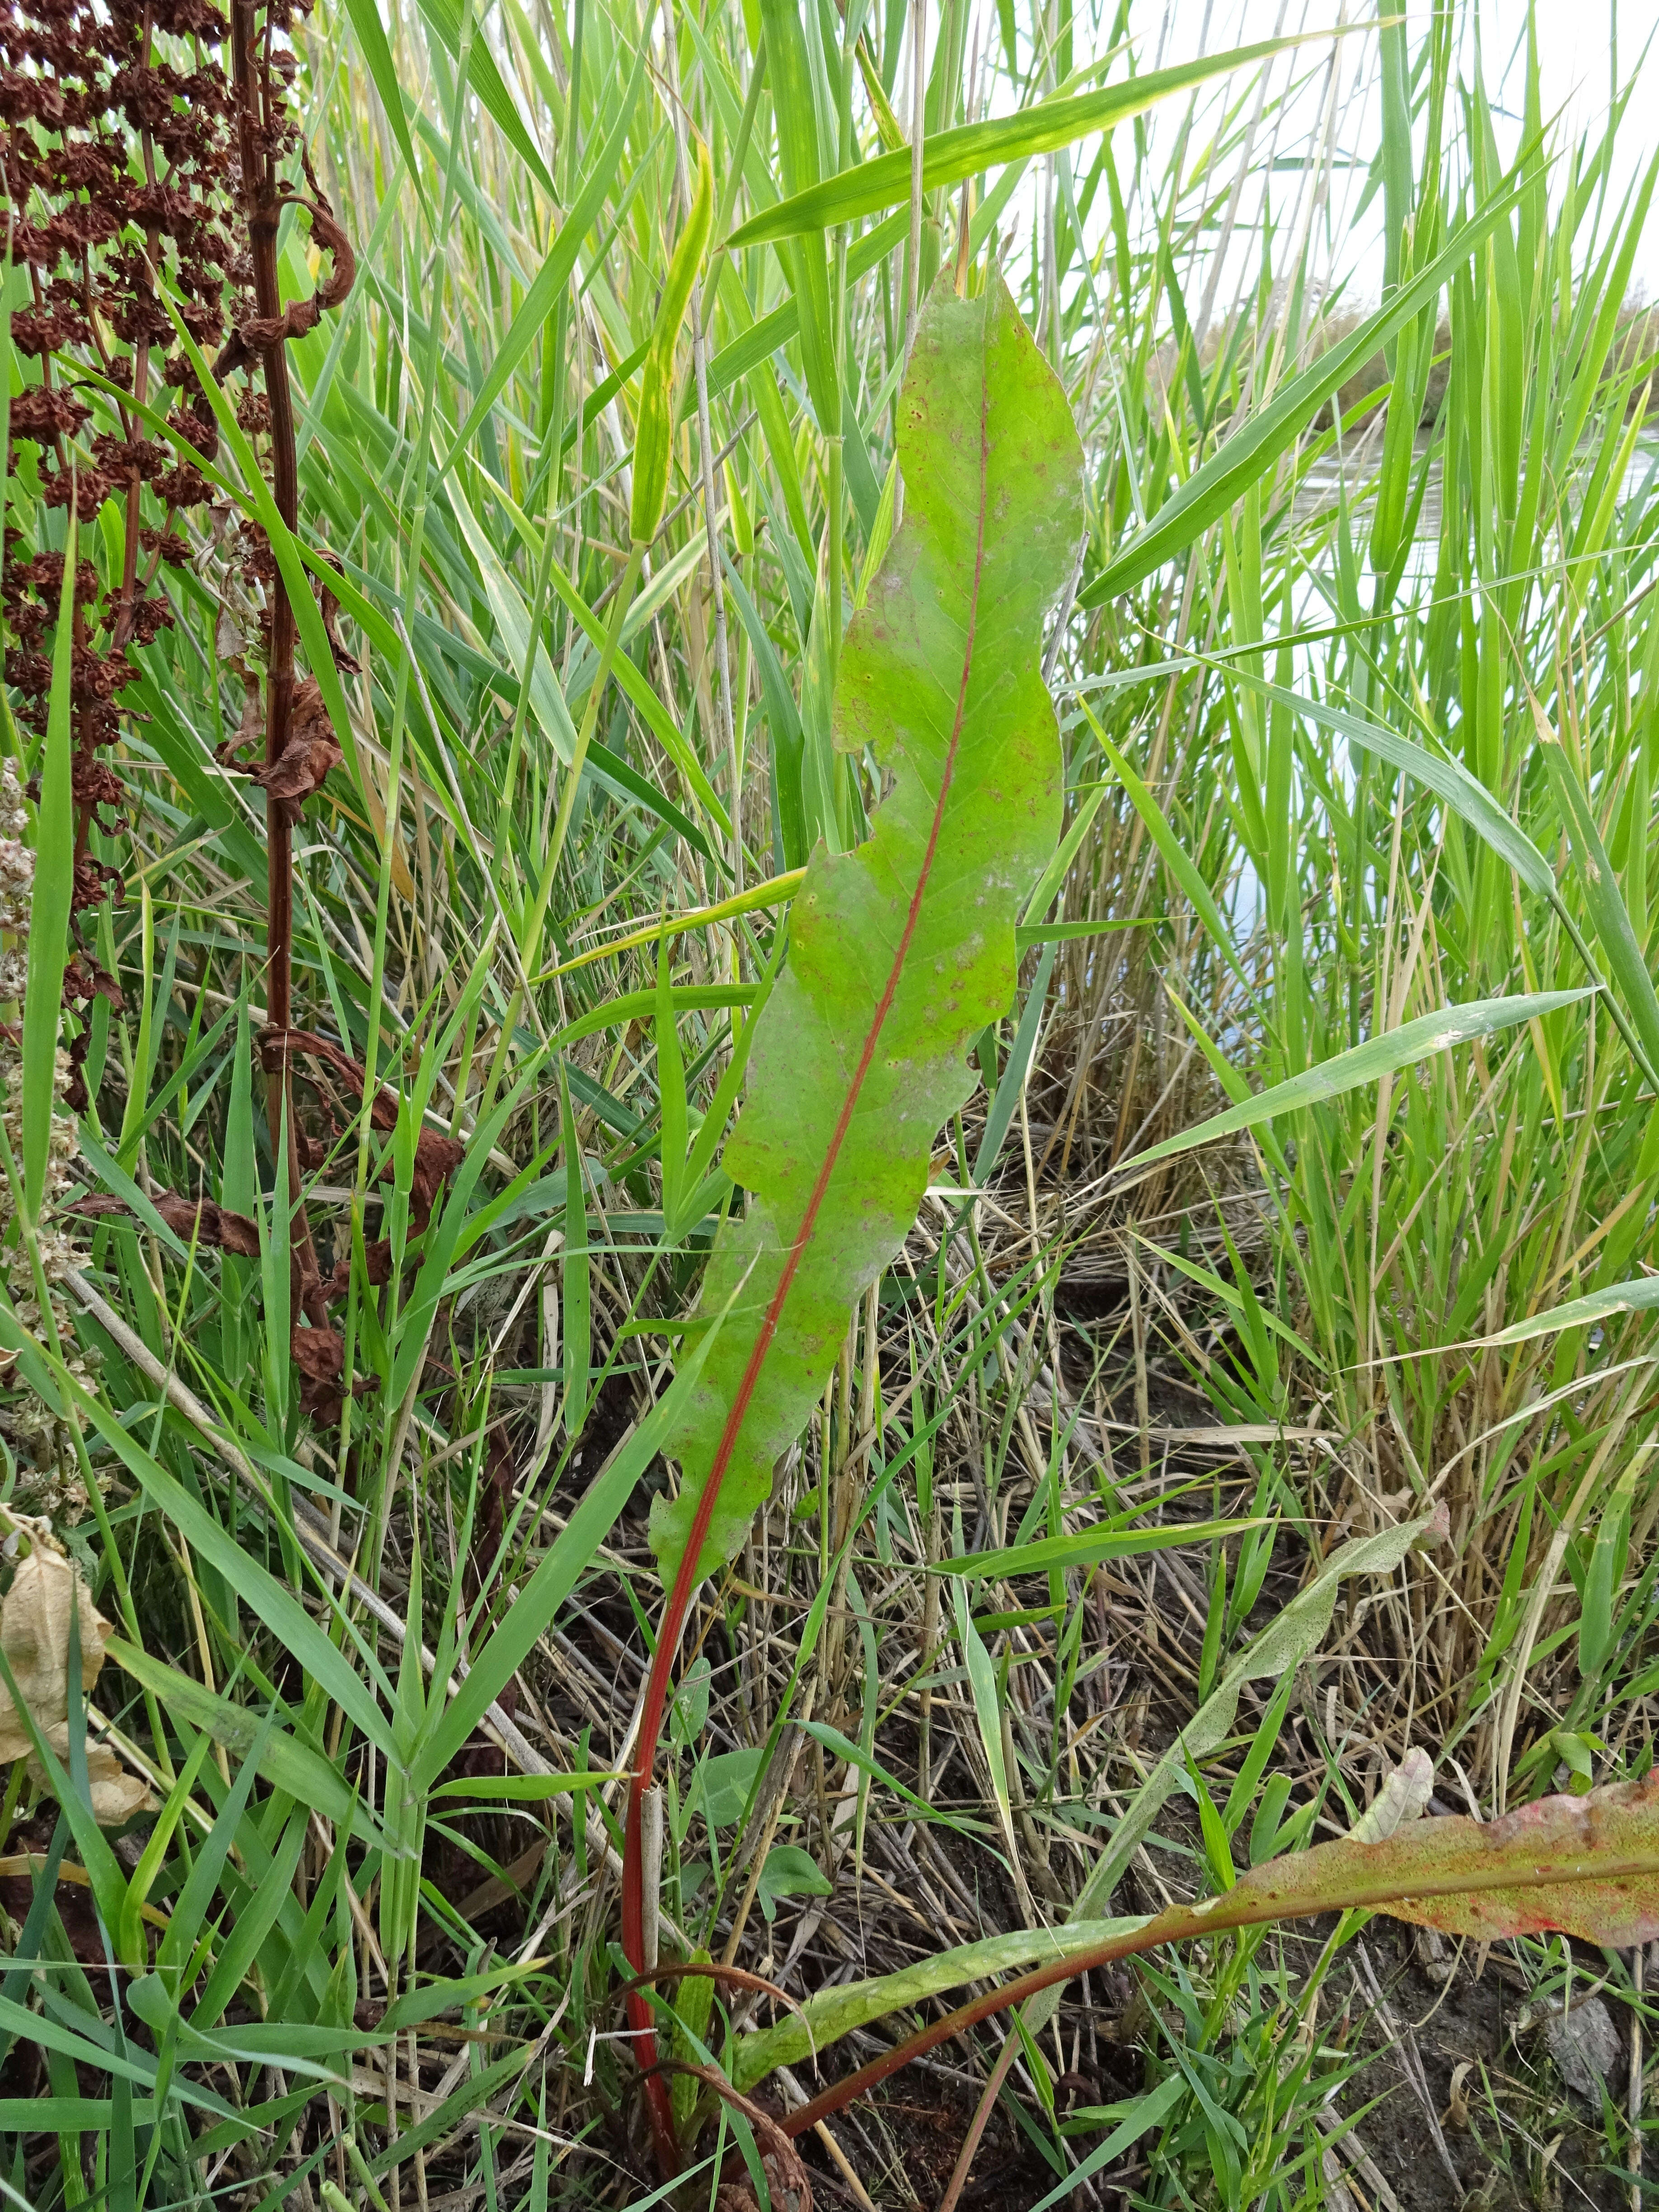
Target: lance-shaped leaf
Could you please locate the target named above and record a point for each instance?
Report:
(949, 156)
(1364, 1063)
(1587, 1866)
(903, 950)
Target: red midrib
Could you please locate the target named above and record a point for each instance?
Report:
(685, 1581)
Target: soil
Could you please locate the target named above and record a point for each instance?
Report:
(1527, 2140)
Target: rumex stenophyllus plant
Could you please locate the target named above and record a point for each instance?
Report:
(900, 951)
(150, 157)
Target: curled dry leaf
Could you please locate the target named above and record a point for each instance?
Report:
(1404, 1796)
(320, 1355)
(329, 607)
(1457, 2109)
(310, 751)
(436, 1157)
(199, 1219)
(263, 334)
(47, 1593)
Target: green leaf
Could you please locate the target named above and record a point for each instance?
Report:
(1088, 1547)
(824, 2019)
(988, 1713)
(789, 73)
(868, 1763)
(949, 156)
(1639, 1297)
(286, 1762)
(1363, 1063)
(376, 50)
(654, 430)
(1174, 853)
(1016, 1073)
(721, 1787)
(1448, 778)
(48, 905)
(521, 1788)
(1607, 911)
(1145, 2114)
(1598, 1619)
(512, 627)
(575, 1277)
(790, 1872)
(903, 950)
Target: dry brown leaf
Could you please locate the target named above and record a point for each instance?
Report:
(1404, 1796)
(34, 1635)
(45, 1594)
(116, 1795)
(1457, 2111)
(187, 1218)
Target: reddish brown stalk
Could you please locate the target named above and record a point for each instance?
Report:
(121, 634)
(262, 202)
(262, 206)
(685, 1581)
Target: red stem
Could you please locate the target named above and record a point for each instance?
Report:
(685, 1581)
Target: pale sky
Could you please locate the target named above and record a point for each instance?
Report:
(1577, 41)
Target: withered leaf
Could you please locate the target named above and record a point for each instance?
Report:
(436, 1157)
(277, 1045)
(377, 1261)
(307, 755)
(202, 1218)
(320, 1355)
(46, 1594)
(263, 334)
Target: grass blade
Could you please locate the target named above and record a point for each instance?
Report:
(1364, 1063)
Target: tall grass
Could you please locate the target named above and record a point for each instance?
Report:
(381, 1673)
